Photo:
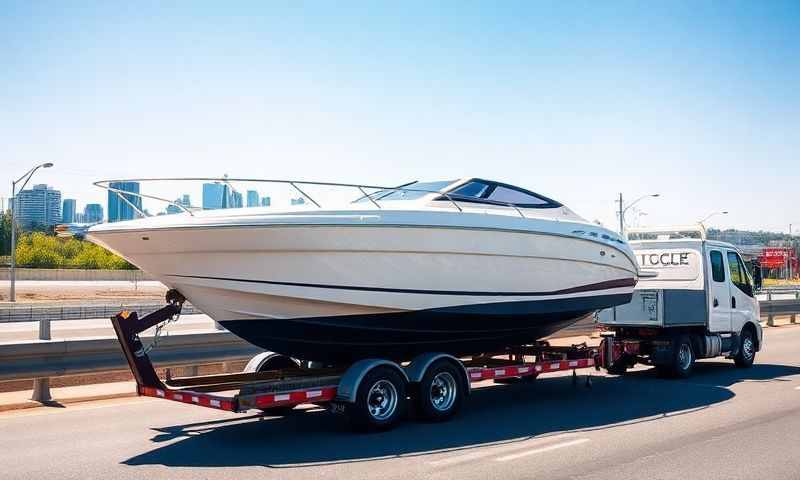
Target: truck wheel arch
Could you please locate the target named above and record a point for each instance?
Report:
(750, 326)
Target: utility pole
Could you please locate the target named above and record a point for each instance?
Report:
(789, 255)
(623, 209)
(26, 177)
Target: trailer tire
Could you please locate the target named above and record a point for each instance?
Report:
(380, 401)
(441, 391)
(747, 349)
(683, 358)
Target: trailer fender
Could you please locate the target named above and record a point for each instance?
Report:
(351, 380)
(419, 366)
(257, 363)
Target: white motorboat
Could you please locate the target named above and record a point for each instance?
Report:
(459, 267)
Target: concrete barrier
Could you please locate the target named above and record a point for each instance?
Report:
(68, 274)
(53, 358)
(37, 313)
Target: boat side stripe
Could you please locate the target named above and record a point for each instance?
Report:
(619, 283)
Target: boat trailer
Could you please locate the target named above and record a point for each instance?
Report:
(272, 382)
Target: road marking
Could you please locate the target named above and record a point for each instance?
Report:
(493, 450)
(548, 448)
(463, 458)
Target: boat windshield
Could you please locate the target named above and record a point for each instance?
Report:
(427, 187)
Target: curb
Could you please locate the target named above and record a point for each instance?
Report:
(55, 403)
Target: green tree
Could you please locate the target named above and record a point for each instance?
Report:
(39, 250)
(5, 233)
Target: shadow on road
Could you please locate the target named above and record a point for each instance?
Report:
(499, 413)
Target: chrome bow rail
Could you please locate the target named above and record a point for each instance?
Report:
(106, 184)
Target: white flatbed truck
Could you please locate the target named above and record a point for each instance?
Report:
(694, 299)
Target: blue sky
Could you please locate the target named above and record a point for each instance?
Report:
(698, 101)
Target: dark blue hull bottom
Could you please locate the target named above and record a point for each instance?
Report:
(464, 330)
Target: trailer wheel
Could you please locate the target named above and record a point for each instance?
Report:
(747, 349)
(682, 359)
(441, 391)
(380, 402)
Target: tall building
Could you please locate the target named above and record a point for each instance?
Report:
(79, 217)
(68, 211)
(39, 206)
(184, 201)
(252, 198)
(93, 213)
(237, 200)
(265, 201)
(216, 195)
(118, 209)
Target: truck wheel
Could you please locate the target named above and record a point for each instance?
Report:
(441, 391)
(682, 358)
(619, 367)
(380, 402)
(747, 350)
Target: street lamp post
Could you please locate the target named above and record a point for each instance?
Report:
(724, 212)
(26, 177)
(623, 209)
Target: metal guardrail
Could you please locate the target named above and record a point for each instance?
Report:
(54, 358)
(787, 306)
(78, 312)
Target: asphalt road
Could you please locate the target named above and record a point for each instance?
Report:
(722, 423)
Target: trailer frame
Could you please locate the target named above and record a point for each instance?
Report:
(331, 387)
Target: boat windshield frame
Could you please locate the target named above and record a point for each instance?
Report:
(442, 193)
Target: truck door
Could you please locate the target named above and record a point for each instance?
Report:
(719, 294)
(742, 303)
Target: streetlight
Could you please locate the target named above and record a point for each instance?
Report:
(26, 177)
(623, 209)
(724, 212)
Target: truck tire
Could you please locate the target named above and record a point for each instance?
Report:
(441, 391)
(617, 368)
(380, 401)
(683, 358)
(747, 349)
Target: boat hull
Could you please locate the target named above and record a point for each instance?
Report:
(374, 287)
(403, 335)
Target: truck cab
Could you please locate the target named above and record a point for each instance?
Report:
(694, 299)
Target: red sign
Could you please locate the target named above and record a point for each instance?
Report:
(775, 257)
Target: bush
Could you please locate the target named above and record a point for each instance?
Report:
(46, 251)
